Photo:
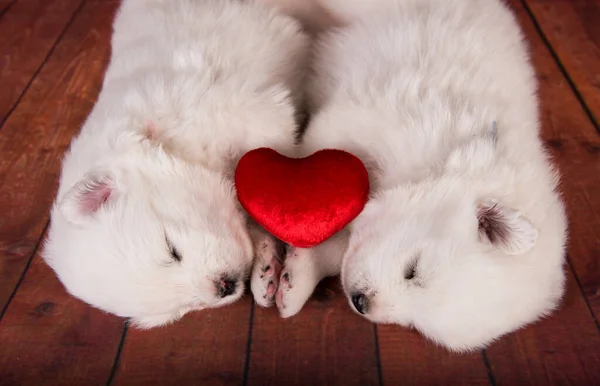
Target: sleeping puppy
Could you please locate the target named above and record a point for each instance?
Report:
(146, 223)
(463, 238)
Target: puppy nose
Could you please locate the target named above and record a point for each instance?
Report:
(360, 302)
(226, 287)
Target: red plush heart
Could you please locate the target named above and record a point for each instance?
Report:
(302, 201)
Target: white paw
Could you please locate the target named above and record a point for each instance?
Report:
(297, 282)
(265, 272)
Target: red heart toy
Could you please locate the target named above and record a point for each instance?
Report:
(302, 201)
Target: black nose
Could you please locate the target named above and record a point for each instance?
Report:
(226, 287)
(360, 302)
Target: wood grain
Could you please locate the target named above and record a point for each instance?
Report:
(408, 358)
(573, 30)
(324, 344)
(564, 348)
(405, 357)
(38, 132)
(28, 32)
(48, 337)
(203, 348)
(575, 145)
(5, 6)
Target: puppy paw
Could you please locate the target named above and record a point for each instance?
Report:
(296, 283)
(265, 272)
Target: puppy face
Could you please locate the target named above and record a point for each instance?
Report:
(150, 237)
(461, 269)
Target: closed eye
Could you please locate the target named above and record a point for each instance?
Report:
(175, 255)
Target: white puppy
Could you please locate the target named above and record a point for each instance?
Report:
(464, 236)
(146, 223)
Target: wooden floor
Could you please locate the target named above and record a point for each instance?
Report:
(52, 57)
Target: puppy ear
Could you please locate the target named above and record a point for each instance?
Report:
(87, 197)
(505, 228)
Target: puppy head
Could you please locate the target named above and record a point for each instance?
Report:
(461, 269)
(150, 237)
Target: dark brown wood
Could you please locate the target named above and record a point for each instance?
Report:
(28, 31)
(408, 358)
(565, 347)
(203, 348)
(573, 30)
(38, 132)
(47, 336)
(405, 356)
(324, 344)
(575, 145)
(575, 36)
(5, 5)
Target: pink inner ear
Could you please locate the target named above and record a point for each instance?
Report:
(94, 196)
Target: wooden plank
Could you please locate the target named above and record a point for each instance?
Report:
(50, 338)
(5, 6)
(408, 358)
(564, 348)
(573, 30)
(47, 336)
(575, 145)
(203, 348)
(324, 344)
(28, 32)
(38, 132)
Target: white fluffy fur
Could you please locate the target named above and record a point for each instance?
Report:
(191, 86)
(438, 98)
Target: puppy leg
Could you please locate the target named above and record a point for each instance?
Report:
(266, 268)
(305, 268)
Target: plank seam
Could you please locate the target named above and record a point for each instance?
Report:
(561, 67)
(2, 12)
(378, 355)
(487, 365)
(592, 119)
(248, 346)
(22, 277)
(39, 241)
(115, 365)
(36, 73)
(581, 289)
